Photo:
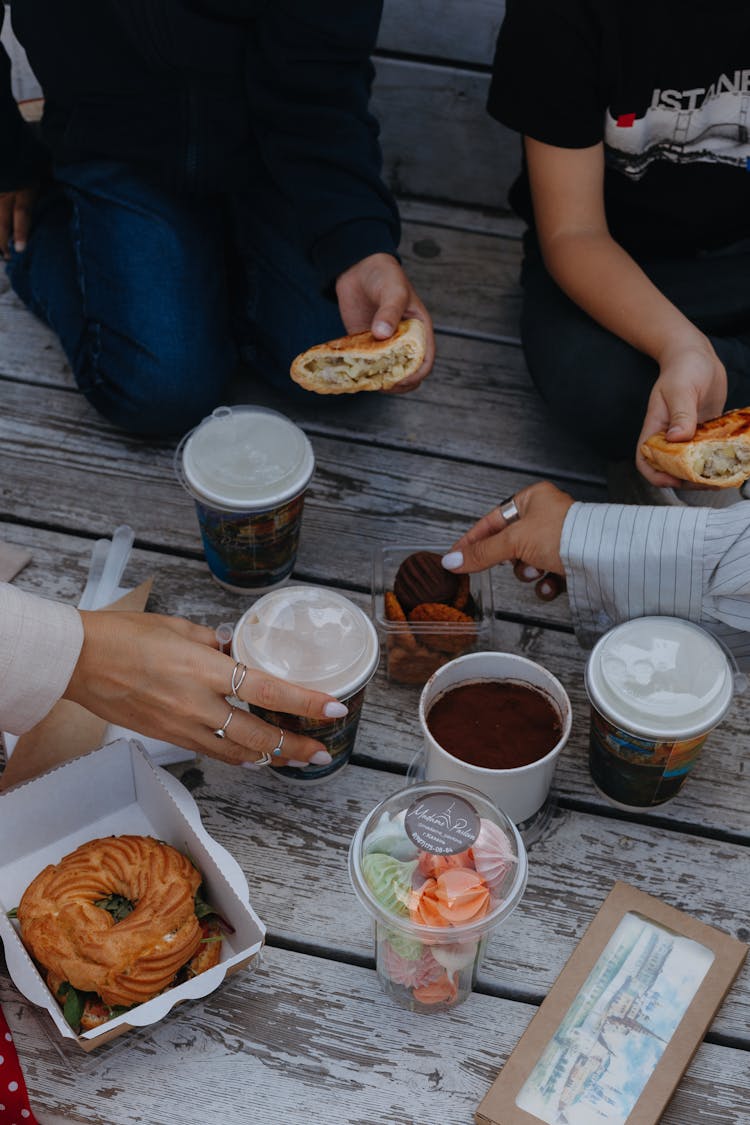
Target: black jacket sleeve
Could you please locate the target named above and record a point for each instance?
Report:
(22, 157)
(308, 80)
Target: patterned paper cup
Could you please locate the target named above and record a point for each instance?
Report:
(247, 469)
(317, 638)
(438, 867)
(657, 686)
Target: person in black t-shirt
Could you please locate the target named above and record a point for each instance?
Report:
(635, 119)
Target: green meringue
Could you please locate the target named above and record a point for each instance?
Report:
(389, 881)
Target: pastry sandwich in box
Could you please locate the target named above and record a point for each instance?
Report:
(116, 791)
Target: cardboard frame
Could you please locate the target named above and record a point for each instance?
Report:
(623, 904)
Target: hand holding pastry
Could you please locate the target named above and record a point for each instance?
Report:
(692, 386)
(375, 295)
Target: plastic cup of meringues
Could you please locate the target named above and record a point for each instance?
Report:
(315, 637)
(438, 867)
(247, 468)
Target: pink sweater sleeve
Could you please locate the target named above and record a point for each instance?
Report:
(40, 641)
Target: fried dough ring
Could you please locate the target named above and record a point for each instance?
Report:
(125, 962)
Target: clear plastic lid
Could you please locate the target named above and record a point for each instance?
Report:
(438, 861)
(310, 636)
(660, 677)
(245, 457)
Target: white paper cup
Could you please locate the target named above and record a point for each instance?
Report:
(519, 792)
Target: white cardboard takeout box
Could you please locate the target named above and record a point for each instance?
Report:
(115, 791)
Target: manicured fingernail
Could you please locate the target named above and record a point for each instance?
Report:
(524, 572)
(321, 758)
(382, 327)
(452, 560)
(335, 710)
(296, 765)
(19, 247)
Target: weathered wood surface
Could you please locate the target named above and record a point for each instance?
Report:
(309, 1041)
(446, 146)
(483, 299)
(440, 29)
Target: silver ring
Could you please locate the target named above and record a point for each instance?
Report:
(238, 677)
(221, 732)
(263, 760)
(279, 745)
(508, 510)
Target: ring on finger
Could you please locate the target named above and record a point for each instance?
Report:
(508, 510)
(238, 677)
(278, 748)
(221, 732)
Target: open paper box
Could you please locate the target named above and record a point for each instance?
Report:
(623, 1019)
(115, 791)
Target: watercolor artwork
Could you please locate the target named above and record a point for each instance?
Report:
(610, 1040)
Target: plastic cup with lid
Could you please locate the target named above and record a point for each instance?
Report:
(315, 637)
(657, 687)
(438, 867)
(247, 469)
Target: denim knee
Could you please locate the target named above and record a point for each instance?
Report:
(160, 393)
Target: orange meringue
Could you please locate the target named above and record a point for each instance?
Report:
(444, 988)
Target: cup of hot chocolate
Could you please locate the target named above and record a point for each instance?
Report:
(496, 721)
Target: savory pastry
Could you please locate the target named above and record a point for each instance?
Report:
(117, 917)
(361, 362)
(718, 454)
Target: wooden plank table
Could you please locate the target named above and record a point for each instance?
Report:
(309, 1036)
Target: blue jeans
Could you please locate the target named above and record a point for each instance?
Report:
(598, 386)
(155, 298)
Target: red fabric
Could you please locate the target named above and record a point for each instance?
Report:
(14, 1101)
(626, 121)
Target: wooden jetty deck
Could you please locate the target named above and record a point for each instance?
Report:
(309, 1036)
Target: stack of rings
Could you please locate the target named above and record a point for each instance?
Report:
(238, 677)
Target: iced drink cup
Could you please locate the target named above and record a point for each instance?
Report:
(247, 469)
(319, 639)
(657, 687)
(438, 867)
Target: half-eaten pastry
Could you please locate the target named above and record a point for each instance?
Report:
(718, 454)
(361, 362)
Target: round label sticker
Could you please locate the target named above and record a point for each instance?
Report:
(442, 824)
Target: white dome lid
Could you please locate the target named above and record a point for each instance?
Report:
(660, 677)
(311, 636)
(246, 458)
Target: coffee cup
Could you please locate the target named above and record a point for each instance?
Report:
(438, 867)
(512, 717)
(657, 687)
(315, 637)
(247, 469)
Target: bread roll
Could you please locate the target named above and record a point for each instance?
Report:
(360, 362)
(718, 454)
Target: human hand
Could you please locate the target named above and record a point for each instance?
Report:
(164, 677)
(15, 219)
(376, 294)
(532, 541)
(691, 387)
